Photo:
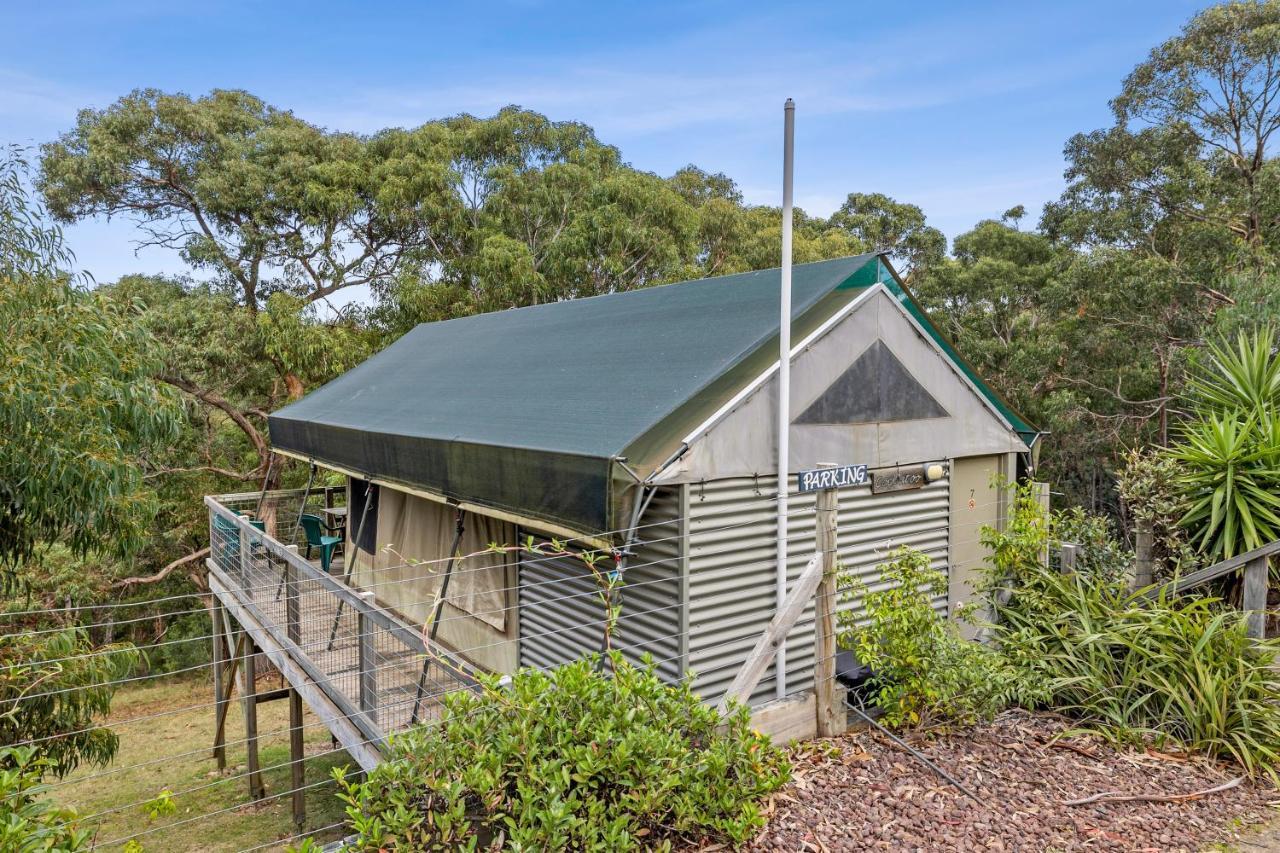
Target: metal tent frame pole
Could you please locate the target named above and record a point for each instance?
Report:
(293, 537)
(459, 527)
(350, 564)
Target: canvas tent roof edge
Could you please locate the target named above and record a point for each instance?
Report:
(527, 411)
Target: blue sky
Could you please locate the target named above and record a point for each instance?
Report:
(961, 108)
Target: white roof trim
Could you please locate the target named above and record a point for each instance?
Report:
(721, 413)
(737, 399)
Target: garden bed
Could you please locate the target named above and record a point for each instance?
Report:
(863, 792)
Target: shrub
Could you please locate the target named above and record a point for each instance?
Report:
(1230, 453)
(1099, 556)
(571, 759)
(28, 821)
(923, 672)
(1151, 486)
(52, 688)
(1168, 671)
(1232, 464)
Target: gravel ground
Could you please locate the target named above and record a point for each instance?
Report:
(862, 792)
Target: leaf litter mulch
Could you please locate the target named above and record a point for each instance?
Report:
(863, 792)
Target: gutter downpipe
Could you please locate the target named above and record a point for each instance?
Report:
(784, 382)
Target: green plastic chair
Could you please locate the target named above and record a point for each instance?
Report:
(314, 527)
(226, 544)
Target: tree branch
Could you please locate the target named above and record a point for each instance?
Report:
(163, 573)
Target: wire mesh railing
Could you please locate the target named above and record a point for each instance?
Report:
(375, 668)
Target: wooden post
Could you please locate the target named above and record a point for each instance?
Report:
(830, 708)
(249, 702)
(1143, 556)
(223, 701)
(744, 683)
(219, 663)
(367, 657)
(1067, 558)
(1254, 599)
(296, 766)
(245, 559)
(293, 620)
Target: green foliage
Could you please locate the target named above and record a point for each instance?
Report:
(1150, 484)
(1099, 555)
(54, 687)
(1231, 453)
(1232, 464)
(77, 402)
(1173, 672)
(922, 671)
(28, 821)
(568, 759)
(1243, 378)
(161, 805)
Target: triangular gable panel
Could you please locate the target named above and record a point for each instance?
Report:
(876, 388)
(961, 423)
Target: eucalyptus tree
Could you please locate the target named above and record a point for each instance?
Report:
(77, 397)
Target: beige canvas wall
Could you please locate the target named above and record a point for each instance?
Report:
(975, 501)
(478, 616)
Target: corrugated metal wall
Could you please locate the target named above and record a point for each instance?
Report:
(561, 617)
(731, 566)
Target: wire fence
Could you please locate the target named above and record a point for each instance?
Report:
(376, 671)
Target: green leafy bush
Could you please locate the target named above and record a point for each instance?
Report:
(53, 687)
(1232, 481)
(28, 821)
(1151, 486)
(1167, 671)
(1099, 554)
(1231, 452)
(570, 759)
(923, 672)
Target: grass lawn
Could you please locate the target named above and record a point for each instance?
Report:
(239, 824)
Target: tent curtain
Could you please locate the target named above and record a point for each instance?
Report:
(414, 535)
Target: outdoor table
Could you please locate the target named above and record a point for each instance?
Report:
(336, 517)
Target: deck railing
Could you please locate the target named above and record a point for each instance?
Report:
(1253, 597)
(371, 663)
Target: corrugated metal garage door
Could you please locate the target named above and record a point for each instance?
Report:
(731, 565)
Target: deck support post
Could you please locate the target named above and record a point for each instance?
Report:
(830, 709)
(249, 701)
(367, 656)
(229, 678)
(219, 675)
(296, 767)
(1254, 599)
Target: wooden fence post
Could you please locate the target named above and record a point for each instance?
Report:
(246, 560)
(1143, 556)
(831, 713)
(296, 766)
(293, 622)
(368, 659)
(1067, 557)
(766, 647)
(1254, 599)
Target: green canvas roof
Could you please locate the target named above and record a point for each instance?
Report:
(530, 410)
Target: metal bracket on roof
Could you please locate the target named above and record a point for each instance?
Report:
(622, 461)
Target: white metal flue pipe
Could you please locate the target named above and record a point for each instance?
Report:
(784, 382)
